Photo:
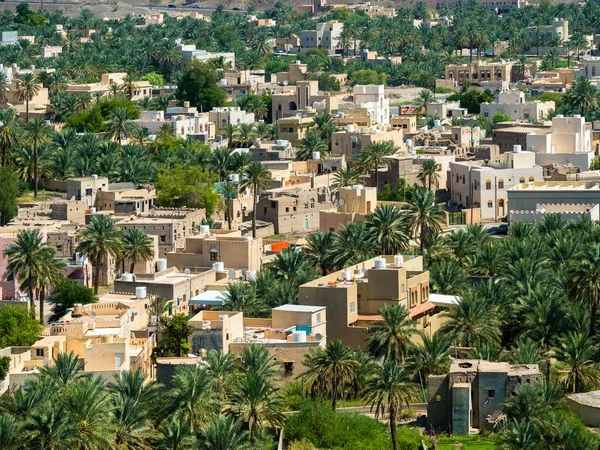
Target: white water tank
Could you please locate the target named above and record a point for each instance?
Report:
(560, 116)
(204, 228)
(437, 123)
(223, 316)
(379, 263)
(409, 143)
(347, 275)
(219, 266)
(516, 148)
(316, 155)
(350, 128)
(92, 210)
(248, 238)
(234, 177)
(94, 176)
(161, 264)
(250, 275)
(140, 292)
(281, 142)
(127, 277)
(398, 260)
(299, 336)
(576, 116)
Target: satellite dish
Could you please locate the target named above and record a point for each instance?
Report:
(341, 202)
(232, 274)
(286, 82)
(318, 337)
(187, 271)
(93, 313)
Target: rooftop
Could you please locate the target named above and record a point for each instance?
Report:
(586, 398)
(299, 308)
(557, 186)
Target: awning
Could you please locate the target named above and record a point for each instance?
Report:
(208, 298)
(443, 300)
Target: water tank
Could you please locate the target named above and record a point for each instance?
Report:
(77, 310)
(250, 275)
(350, 128)
(140, 292)
(299, 336)
(298, 62)
(127, 277)
(476, 129)
(316, 155)
(248, 238)
(576, 116)
(379, 263)
(223, 316)
(437, 123)
(204, 228)
(560, 116)
(92, 210)
(219, 266)
(281, 142)
(409, 143)
(94, 176)
(161, 264)
(347, 275)
(202, 353)
(398, 260)
(516, 148)
(235, 177)
(357, 186)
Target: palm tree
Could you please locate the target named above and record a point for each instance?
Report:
(258, 107)
(8, 131)
(38, 133)
(245, 134)
(432, 356)
(311, 144)
(471, 321)
(375, 155)
(424, 216)
(225, 433)
(258, 178)
(521, 435)
(98, 240)
(32, 262)
(241, 297)
(423, 99)
(194, 400)
(229, 191)
(447, 278)
(352, 245)
(174, 434)
(120, 125)
(221, 368)
(329, 369)
(388, 392)
(64, 370)
(387, 226)
(257, 400)
(390, 338)
(230, 133)
(582, 96)
(256, 359)
(318, 250)
(137, 246)
(129, 85)
(345, 177)
(584, 282)
(27, 87)
(10, 433)
(4, 87)
(576, 366)
(428, 173)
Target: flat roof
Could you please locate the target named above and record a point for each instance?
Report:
(557, 186)
(208, 298)
(103, 332)
(443, 300)
(299, 308)
(586, 398)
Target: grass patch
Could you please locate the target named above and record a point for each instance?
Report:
(469, 443)
(444, 90)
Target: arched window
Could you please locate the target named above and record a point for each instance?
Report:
(501, 203)
(522, 180)
(531, 179)
(488, 185)
(490, 204)
(500, 183)
(292, 106)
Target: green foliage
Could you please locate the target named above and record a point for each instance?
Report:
(5, 362)
(276, 64)
(472, 99)
(155, 78)
(17, 327)
(90, 120)
(500, 117)
(326, 82)
(192, 187)
(198, 85)
(595, 165)
(9, 193)
(368, 76)
(66, 294)
(556, 97)
(174, 337)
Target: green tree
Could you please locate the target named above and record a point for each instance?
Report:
(500, 117)
(388, 392)
(137, 246)
(18, 327)
(584, 282)
(100, 239)
(38, 135)
(576, 367)
(9, 193)
(176, 332)
(424, 216)
(428, 173)
(258, 178)
(387, 226)
(9, 131)
(198, 85)
(375, 155)
(27, 87)
(345, 178)
(432, 356)
(352, 245)
(190, 187)
(229, 191)
(582, 96)
(224, 433)
(66, 295)
(391, 338)
(120, 126)
(318, 250)
(368, 76)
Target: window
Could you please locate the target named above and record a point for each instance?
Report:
(294, 208)
(289, 367)
(522, 180)
(39, 352)
(500, 184)
(491, 393)
(88, 192)
(287, 209)
(214, 256)
(318, 317)
(352, 307)
(163, 239)
(331, 229)
(227, 336)
(488, 185)
(490, 204)
(531, 179)
(273, 205)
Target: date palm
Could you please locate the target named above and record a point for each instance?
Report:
(424, 216)
(576, 367)
(224, 433)
(318, 250)
(174, 434)
(428, 173)
(27, 87)
(245, 134)
(312, 143)
(388, 392)
(582, 96)
(432, 356)
(10, 433)
(352, 245)
(98, 240)
(229, 191)
(38, 134)
(329, 369)
(584, 282)
(137, 246)
(120, 126)
(345, 178)
(388, 229)
(9, 131)
(390, 338)
(375, 155)
(258, 178)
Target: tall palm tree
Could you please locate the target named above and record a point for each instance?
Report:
(428, 173)
(576, 366)
(98, 240)
(423, 99)
(388, 228)
(10, 431)
(390, 338)
(221, 369)
(318, 250)
(137, 246)
(584, 282)
(31, 261)
(120, 125)
(224, 433)
(447, 277)
(352, 245)
(329, 369)
(129, 85)
(375, 155)
(256, 359)
(9, 131)
(229, 191)
(241, 297)
(424, 216)
(258, 178)
(312, 143)
(258, 401)
(582, 96)
(39, 134)
(246, 134)
(174, 434)
(432, 356)
(388, 392)
(27, 87)
(64, 370)
(345, 178)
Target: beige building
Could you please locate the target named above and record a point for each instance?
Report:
(142, 88)
(479, 72)
(298, 98)
(242, 253)
(227, 115)
(512, 103)
(351, 140)
(86, 189)
(296, 72)
(526, 196)
(353, 205)
(408, 124)
(326, 35)
(294, 129)
(353, 296)
(480, 185)
(125, 198)
(51, 51)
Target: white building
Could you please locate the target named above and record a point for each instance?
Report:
(51, 51)
(480, 185)
(560, 28)
(527, 196)
(372, 98)
(230, 115)
(512, 103)
(189, 53)
(198, 127)
(326, 35)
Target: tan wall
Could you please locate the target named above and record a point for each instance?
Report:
(332, 220)
(103, 355)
